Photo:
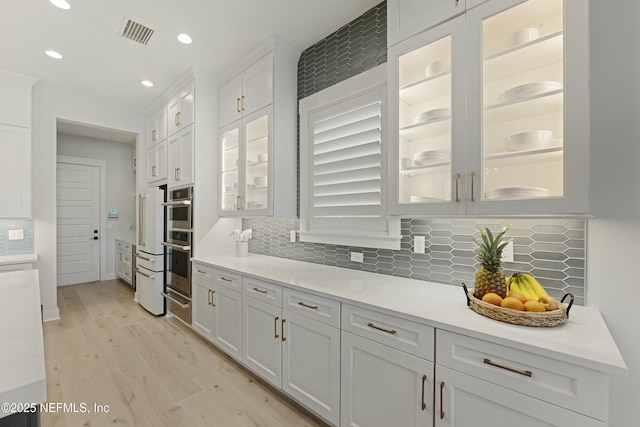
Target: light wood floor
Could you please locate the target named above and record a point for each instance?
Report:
(151, 371)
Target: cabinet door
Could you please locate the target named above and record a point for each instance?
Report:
(157, 162)
(181, 111)
(427, 131)
(119, 263)
(311, 365)
(157, 127)
(202, 316)
(465, 401)
(15, 105)
(257, 147)
(409, 17)
(382, 386)
(15, 172)
(227, 321)
(261, 345)
(180, 158)
(229, 98)
(230, 159)
(528, 111)
(257, 86)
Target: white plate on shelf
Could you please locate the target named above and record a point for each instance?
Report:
(432, 115)
(425, 199)
(525, 35)
(530, 89)
(517, 193)
(528, 140)
(423, 158)
(435, 68)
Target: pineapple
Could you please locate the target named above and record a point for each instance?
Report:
(490, 278)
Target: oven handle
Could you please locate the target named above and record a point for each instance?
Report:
(167, 296)
(150, 276)
(177, 203)
(178, 247)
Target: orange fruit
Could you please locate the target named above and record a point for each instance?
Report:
(518, 296)
(492, 298)
(534, 306)
(512, 303)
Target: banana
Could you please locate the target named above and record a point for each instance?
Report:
(549, 302)
(525, 289)
(535, 286)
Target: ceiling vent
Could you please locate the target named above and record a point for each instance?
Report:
(135, 31)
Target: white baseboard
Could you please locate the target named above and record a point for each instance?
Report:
(51, 314)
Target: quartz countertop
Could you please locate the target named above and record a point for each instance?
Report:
(583, 340)
(22, 371)
(18, 259)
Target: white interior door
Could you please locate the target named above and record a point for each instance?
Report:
(78, 223)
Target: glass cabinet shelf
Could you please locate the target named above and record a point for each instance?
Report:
(543, 103)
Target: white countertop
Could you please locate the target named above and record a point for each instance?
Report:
(22, 372)
(583, 340)
(18, 259)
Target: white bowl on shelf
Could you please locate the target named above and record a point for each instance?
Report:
(260, 181)
(423, 158)
(433, 115)
(262, 158)
(435, 68)
(522, 36)
(528, 140)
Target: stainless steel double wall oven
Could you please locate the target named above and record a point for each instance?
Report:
(179, 207)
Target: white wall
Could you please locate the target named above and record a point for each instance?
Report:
(120, 186)
(613, 239)
(49, 104)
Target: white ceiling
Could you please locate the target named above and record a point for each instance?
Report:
(99, 62)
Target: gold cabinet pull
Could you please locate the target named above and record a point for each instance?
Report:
(275, 327)
(262, 291)
(179, 118)
(226, 279)
(282, 325)
(457, 192)
(201, 271)
(153, 135)
(473, 178)
(213, 302)
(238, 105)
(209, 297)
(441, 410)
(392, 331)
(175, 119)
(517, 371)
(242, 103)
(153, 170)
(313, 307)
(424, 380)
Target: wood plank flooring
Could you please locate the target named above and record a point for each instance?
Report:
(150, 371)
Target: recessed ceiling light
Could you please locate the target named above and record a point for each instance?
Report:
(53, 54)
(146, 83)
(184, 38)
(62, 4)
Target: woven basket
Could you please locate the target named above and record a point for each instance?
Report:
(516, 317)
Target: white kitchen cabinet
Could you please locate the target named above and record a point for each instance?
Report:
(157, 127)
(489, 113)
(248, 92)
(15, 145)
(257, 121)
(465, 401)
(157, 163)
(202, 315)
(261, 339)
(180, 158)
(124, 261)
(15, 172)
(255, 168)
(181, 110)
(382, 386)
(406, 18)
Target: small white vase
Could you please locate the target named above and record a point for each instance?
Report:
(242, 248)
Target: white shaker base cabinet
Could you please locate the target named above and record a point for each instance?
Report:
(383, 387)
(262, 346)
(202, 316)
(311, 365)
(227, 320)
(465, 401)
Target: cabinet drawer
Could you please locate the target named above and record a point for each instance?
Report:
(402, 334)
(127, 257)
(119, 245)
(228, 279)
(204, 272)
(315, 307)
(264, 291)
(561, 383)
